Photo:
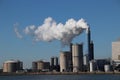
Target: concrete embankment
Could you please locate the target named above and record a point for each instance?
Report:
(57, 73)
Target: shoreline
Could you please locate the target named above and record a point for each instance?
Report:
(57, 73)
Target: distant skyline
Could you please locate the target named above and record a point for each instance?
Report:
(103, 16)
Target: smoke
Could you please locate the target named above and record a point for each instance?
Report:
(16, 31)
(51, 30)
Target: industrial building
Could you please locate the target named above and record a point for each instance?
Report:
(40, 66)
(116, 55)
(12, 66)
(116, 51)
(77, 57)
(100, 64)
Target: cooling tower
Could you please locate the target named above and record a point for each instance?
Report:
(77, 56)
(64, 61)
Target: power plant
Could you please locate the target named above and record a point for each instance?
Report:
(74, 60)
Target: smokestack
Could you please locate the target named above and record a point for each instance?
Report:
(90, 45)
(89, 39)
(70, 61)
(91, 50)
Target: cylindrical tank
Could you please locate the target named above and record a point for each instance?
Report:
(77, 56)
(12, 66)
(64, 58)
(106, 68)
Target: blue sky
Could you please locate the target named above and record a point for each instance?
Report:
(103, 16)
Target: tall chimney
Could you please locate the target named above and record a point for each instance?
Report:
(90, 45)
(70, 61)
(91, 50)
(89, 40)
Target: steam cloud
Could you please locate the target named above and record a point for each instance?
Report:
(50, 30)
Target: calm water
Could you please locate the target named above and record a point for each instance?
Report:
(62, 77)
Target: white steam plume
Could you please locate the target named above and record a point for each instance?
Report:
(17, 32)
(50, 30)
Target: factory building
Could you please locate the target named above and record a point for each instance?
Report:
(12, 66)
(64, 61)
(77, 57)
(40, 66)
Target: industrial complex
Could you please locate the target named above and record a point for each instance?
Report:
(73, 60)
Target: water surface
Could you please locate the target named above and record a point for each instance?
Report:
(62, 77)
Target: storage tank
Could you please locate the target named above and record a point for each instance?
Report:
(12, 66)
(64, 59)
(40, 65)
(106, 68)
(77, 56)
